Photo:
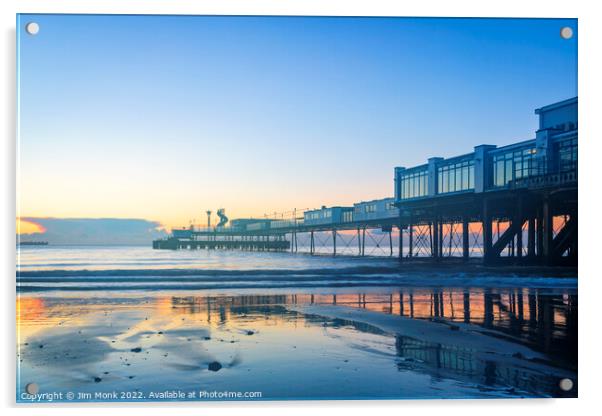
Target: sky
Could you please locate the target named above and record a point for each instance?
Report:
(163, 117)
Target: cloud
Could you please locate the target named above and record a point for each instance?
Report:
(94, 230)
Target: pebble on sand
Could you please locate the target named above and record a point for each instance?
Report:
(214, 366)
(137, 349)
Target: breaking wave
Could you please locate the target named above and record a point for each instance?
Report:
(199, 279)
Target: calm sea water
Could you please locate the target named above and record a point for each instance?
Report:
(132, 320)
(141, 257)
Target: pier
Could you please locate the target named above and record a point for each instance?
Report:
(511, 204)
(220, 240)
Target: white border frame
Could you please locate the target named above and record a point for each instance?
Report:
(590, 28)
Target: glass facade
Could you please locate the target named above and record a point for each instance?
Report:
(567, 154)
(455, 177)
(370, 208)
(513, 165)
(414, 184)
(347, 216)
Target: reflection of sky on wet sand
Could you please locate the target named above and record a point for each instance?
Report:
(129, 342)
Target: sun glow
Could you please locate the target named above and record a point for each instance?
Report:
(29, 227)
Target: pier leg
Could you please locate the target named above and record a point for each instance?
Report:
(539, 233)
(432, 236)
(511, 243)
(411, 240)
(519, 233)
(531, 238)
(451, 239)
(334, 242)
(364, 241)
(441, 238)
(548, 230)
(359, 243)
(465, 239)
(487, 232)
(311, 242)
(391, 242)
(400, 242)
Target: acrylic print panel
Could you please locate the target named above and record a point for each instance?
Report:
(276, 208)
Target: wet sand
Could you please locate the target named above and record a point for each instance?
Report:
(293, 345)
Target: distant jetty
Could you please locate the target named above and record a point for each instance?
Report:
(33, 243)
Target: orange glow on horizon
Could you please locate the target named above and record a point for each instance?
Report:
(29, 227)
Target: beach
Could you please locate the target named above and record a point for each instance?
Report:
(280, 326)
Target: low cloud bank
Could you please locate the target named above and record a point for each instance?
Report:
(103, 231)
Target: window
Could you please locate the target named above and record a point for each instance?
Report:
(369, 208)
(567, 154)
(347, 216)
(455, 177)
(514, 165)
(414, 184)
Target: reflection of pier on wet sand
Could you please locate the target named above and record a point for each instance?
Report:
(491, 342)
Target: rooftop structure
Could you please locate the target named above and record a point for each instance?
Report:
(491, 168)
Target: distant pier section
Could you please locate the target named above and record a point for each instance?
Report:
(226, 238)
(515, 203)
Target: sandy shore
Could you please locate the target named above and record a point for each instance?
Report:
(284, 346)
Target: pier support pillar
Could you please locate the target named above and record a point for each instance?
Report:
(451, 239)
(487, 231)
(334, 242)
(433, 237)
(410, 240)
(519, 232)
(531, 238)
(465, 239)
(364, 241)
(548, 230)
(539, 232)
(400, 242)
(439, 231)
